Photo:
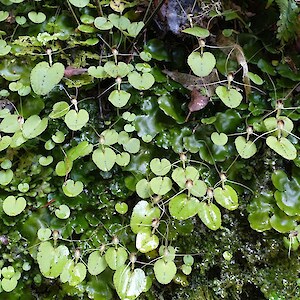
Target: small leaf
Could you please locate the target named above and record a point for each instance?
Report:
(226, 197)
(201, 65)
(36, 17)
(76, 120)
(104, 158)
(183, 207)
(119, 98)
(13, 206)
(44, 78)
(219, 139)
(141, 81)
(160, 167)
(96, 263)
(255, 78)
(282, 146)
(129, 283)
(6, 176)
(161, 185)
(71, 188)
(123, 159)
(59, 110)
(34, 126)
(45, 161)
(143, 189)
(115, 258)
(230, 97)
(210, 215)
(246, 149)
(146, 241)
(79, 3)
(63, 212)
(197, 31)
(164, 271)
(44, 234)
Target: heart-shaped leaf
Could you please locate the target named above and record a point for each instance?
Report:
(181, 176)
(230, 97)
(64, 167)
(121, 208)
(272, 123)
(129, 283)
(116, 257)
(141, 81)
(79, 3)
(198, 188)
(116, 70)
(76, 120)
(45, 161)
(58, 137)
(123, 159)
(34, 126)
(8, 272)
(118, 21)
(146, 241)
(132, 146)
(164, 271)
(183, 207)
(97, 72)
(44, 78)
(71, 188)
(4, 48)
(104, 158)
(201, 65)
(73, 273)
(160, 167)
(143, 189)
(246, 149)
(135, 28)
(10, 124)
(63, 212)
(6, 176)
(103, 24)
(13, 206)
(4, 142)
(119, 98)
(3, 15)
(59, 109)
(161, 185)
(210, 215)
(44, 234)
(219, 139)
(9, 285)
(226, 197)
(282, 146)
(96, 263)
(36, 17)
(142, 216)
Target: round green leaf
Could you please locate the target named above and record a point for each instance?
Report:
(3, 15)
(201, 65)
(132, 146)
(119, 98)
(129, 283)
(6, 176)
(121, 208)
(104, 158)
(210, 215)
(36, 17)
(44, 234)
(123, 159)
(96, 263)
(116, 258)
(13, 206)
(4, 142)
(143, 189)
(245, 149)
(219, 139)
(102, 23)
(183, 207)
(63, 212)
(146, 241)
(282, 146)
(59, 109)
(34, 126)
(71, 188)
(161, 185)
(142, 216)
(79, 3)
(226, 197)
(164, 271)
(160, 167)
(230, 97)
(9, 285)
(44, 78)
(181, 176)
(76, 120)
(141, 81)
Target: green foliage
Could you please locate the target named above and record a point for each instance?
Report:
(116, 173)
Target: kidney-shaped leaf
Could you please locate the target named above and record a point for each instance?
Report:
(104, 158)
(115, 257)
(164, 271)
(201, 65)
(183, 207)
(96, 263)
